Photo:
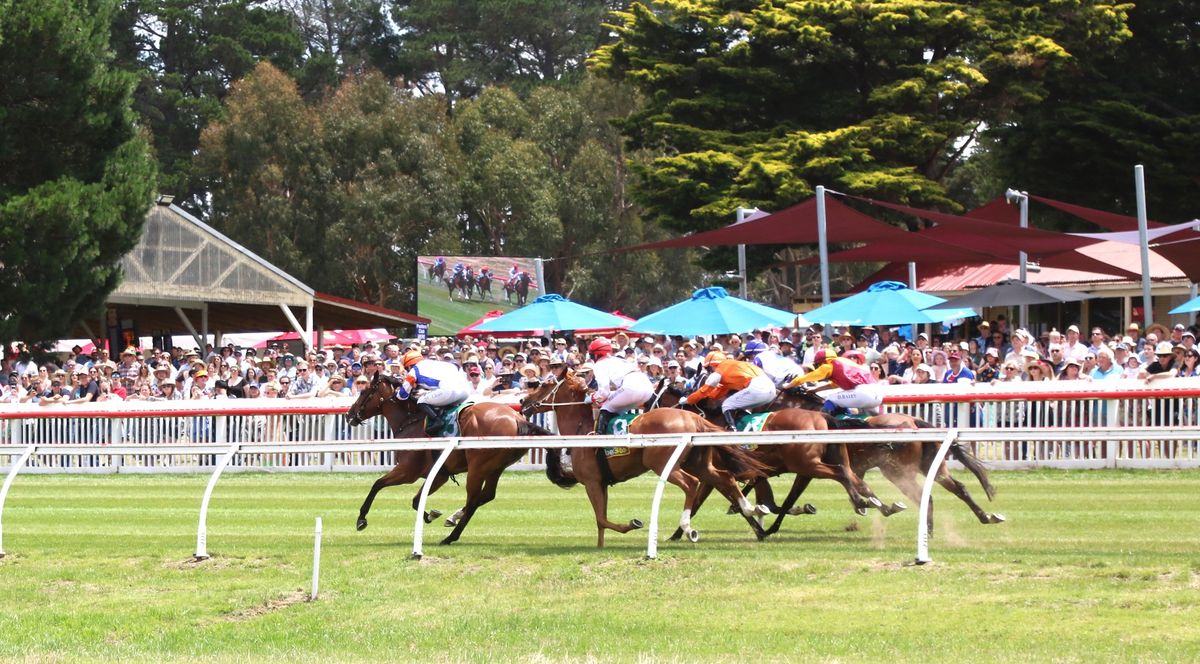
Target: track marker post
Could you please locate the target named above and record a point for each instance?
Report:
(926, 498)
(202, 529)
(8, 480)
(652, 539)
(316, 561)
(419, 529)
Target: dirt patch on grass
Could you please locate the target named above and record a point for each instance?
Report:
(219, 562)
(297, 596)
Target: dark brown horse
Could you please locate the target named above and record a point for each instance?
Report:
(520, 286)
(900, 463)
(808, 461)
(460, 281)
(564, 394)
(483, 285)
(483, 467)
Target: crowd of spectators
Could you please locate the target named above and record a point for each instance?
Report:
(993, 353)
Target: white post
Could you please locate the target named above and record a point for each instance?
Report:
(204, 329)
(923, 513)
(1024, 257)
(822, 245)
(202, 529)
(1191, 296)
(1139, 181)
(912, 275)
(308, 326)
(8, 480)
(539, 273)
(316, 561)
(742, 290)
(652, 544)
(419, 529)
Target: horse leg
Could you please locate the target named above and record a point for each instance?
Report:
(702, 494)
(724, 481)
(959, 489)
(434, 484)
(401, 474)
(598, 495)
(475, 499)
(798, 487)
(691, 489)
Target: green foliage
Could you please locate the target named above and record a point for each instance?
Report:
(75, 177)
(755, 103)
(1139, 104)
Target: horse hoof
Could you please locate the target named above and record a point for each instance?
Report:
(733, 510)
(677, 535)
(447, 542)
(433, 514)
(997, 518)
(875, 502)
(635, 524)
(362, 523)
(762, 510)
(899, 507)
(693, 535)
(450, 523)
(807, 508)
(861, 511)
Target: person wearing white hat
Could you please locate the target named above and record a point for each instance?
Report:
(1163, 365)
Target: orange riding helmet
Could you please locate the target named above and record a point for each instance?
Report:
(412, 357)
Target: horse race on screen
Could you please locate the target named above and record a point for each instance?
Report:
(456, 291)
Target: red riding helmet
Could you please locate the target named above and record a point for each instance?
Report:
(600, 346)
(856, 354)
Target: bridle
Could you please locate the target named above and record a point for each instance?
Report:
(372, 394)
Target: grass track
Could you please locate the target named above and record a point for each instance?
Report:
(446, 317)
(1095, 565)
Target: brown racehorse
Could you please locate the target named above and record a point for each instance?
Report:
(483, 467)
(808, 461)
(901, 462)
(564, 394)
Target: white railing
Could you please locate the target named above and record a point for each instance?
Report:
(1049, 406)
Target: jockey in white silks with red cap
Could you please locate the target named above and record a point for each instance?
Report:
(620, 387)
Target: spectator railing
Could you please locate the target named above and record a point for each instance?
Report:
(1169, 404)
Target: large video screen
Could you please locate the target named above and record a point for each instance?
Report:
(456, 291)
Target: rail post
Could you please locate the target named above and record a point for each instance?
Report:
(8, 480)
(419, 529)
(926, 491)
(652, 538)
(202, 529)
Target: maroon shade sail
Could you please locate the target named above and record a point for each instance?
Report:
(998, 210)
(794, 225)
(1110, 220)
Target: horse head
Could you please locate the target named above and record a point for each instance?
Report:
(558, 388)
(370, 401)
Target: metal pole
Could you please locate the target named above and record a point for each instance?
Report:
(12, 475)
(912, 275)
(202, 529)
(539, 273)
(419, 529)
(1024, 257)
(741, 216)
(923, 513)
(1139, 180)
(652, 543)
(1191, 296)
(822, 245)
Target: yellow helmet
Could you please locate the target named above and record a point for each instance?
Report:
(714, 358)
(412, 357)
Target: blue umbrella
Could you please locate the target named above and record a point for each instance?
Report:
(1187, 307)
(551, 312)
(712, 311)
(886, 303)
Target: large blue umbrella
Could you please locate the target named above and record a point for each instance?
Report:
(886, 303)
(1187, 307)
(712, 311)
(551, 312)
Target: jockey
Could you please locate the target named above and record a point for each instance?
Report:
(513, 273)
(778, 368)
(439, 261)
(858, 388)
(750, 386)
(620, 387)
(444, 385)
(751, 349)
(485, 271)
(458, 268)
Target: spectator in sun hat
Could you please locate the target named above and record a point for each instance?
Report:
(1163, 365)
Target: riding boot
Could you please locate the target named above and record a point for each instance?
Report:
(433, 419)
(731, 419)
(602, 420)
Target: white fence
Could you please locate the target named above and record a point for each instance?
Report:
(1042, 407)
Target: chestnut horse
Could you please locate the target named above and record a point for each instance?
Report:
(808, 461)
(901, 462)
(483, 467)
(563, 393)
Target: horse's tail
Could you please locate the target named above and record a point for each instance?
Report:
(554, 470)
(741, 463)
(973, 464)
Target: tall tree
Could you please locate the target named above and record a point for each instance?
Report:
(1139, 104)
(76, 179)
(756, 102)
(462, 46)
(187, 54)
(343, 37)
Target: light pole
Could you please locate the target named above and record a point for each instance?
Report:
(1139, 184)
(742, 213)
(1021, 198)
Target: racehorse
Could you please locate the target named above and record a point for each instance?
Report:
(483, 467)
(519, 285)
(459, 281)
(436, 272)
(900, 462)
(483, 284)
(563, 393)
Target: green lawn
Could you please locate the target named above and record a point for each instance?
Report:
(1092, 566)
(449, 317)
